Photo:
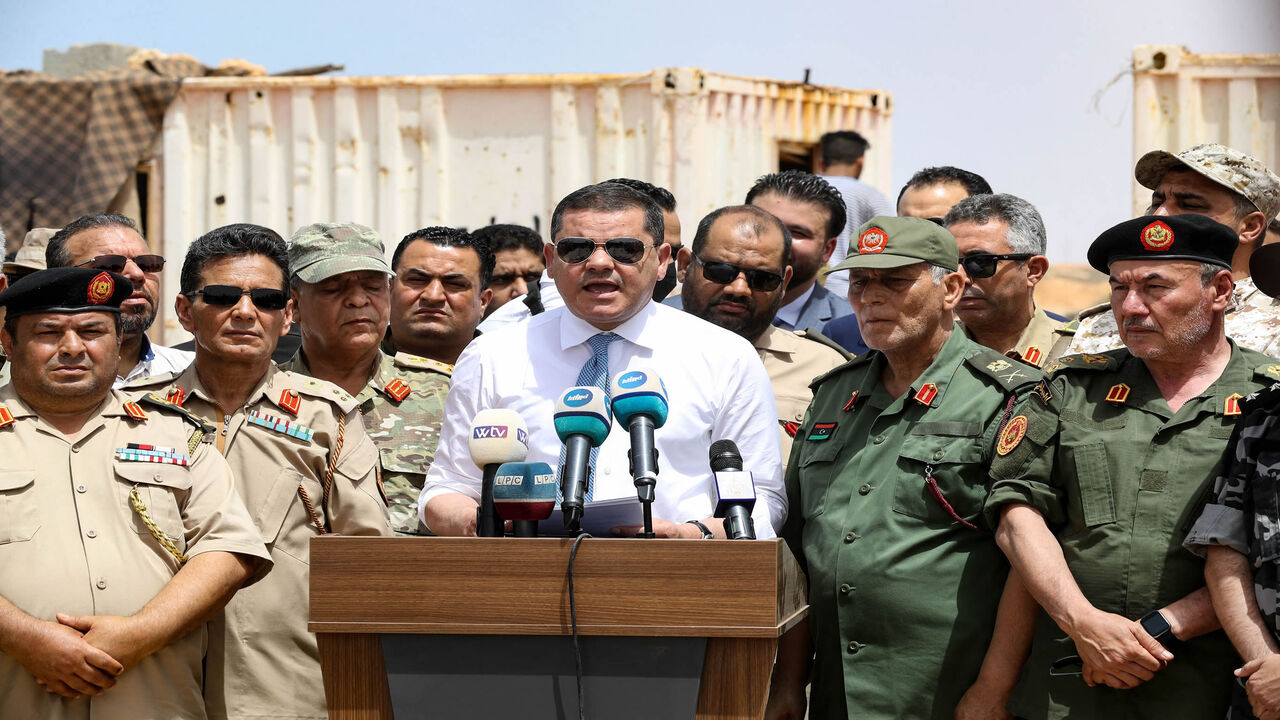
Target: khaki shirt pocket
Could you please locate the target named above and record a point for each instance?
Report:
(158, 486)
(272, 516)
(1093, 479)
(954, 460)
(817, 470)
(19, 511)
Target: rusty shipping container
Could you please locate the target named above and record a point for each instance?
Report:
(400, 153)
(1181, 99)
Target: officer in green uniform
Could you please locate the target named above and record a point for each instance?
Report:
(1104, 468)
(886, 482)
(342, 295)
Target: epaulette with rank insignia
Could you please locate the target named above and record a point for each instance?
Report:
(321, 389)
(417, 362)
(1269, 371)
(1267, 398)
(1087, 361)
(199, 422)
(1009, 373)
(820, 338)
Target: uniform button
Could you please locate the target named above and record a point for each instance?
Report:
(157, 478)
(865, 489)
(102, 584)
(854, 647)
(846, 588)
(75, 448)
(939, 455)
(92, 533)
(80, 488)
(851, 537)
(878, 439)
(608, 471)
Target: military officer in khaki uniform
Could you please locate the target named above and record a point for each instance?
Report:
(341, 297)
(1232, 188)
(1103, 470)
(735, 275)
(121, 531)
(885, 487)
(1002, 246)
(302, 460)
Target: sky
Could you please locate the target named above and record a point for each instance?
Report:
(1005, 89)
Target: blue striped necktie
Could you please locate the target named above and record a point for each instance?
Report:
(594, 373)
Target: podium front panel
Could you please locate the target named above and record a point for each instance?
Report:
(463, 677)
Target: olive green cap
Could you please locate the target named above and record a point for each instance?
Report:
(888, 242)
(321, 250)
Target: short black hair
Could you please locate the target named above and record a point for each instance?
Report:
(509, 237)
(806, 187)
(233, 241)
(973, 183)
(842, 146)
(55, 253)
(442, 236)
(761, 217)
(660, 195)
(611, 197)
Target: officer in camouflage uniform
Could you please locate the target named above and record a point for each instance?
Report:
(885, 484)
(1102, 471)
(1230, 187)
(1239, 535)
(341, 294)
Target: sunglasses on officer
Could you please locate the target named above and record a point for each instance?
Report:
(983, 265)
(116, 263)
(228, 295)
(723, 273)
(626, 250)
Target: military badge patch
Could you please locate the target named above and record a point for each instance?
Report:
(927, 393)
(291, 401)
(999, 365)
(853, 400)
(1118, 393)
(1093, 359)
(1012, 435)
(100, 288)
(134, 411)
(1157, 236)
(6, 417)
(1033, 355)
(398, 389)
(1232, 404)
(1042, 391)
(822, 431)
(872, 241)
(177, 396)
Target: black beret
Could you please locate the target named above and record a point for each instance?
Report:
(66, 290)
(1264, 268)
(1165, 237)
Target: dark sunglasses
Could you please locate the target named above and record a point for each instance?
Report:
(116, 263)
(984, 265)
(724, 273)
(228, 295)
(625, 250)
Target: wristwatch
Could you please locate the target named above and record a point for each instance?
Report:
(706, 531)
(1156, 625)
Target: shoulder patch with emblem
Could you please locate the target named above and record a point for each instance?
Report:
(405, 360)
(822, 431)
(1012, 435)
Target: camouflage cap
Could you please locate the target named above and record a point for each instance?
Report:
(890, 242)
(30, 257)
(1225, 166)
(322, 250)
(1264, 268)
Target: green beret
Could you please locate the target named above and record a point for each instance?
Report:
(1165, 237)
(66, 290)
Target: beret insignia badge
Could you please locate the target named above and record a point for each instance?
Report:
(1157, 236)
(100, 288)
(872, 241)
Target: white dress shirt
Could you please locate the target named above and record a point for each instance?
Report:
(156, 360)
(717, 389)
(515, 311)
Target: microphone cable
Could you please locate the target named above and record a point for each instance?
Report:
(573, 622)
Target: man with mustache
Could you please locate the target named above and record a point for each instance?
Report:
(111, 242)
(1103, 469)
(340, 285)
(1002, 243)
(734, 276)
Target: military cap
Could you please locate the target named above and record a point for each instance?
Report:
(1165, 237)
(1264, 268)
(66, 290)
(322, 250)
(30, 257)
(1225, 166)
(890, 242)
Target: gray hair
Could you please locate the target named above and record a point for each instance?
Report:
(1026, 230)
(937, 273)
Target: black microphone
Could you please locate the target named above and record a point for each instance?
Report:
(735, 491)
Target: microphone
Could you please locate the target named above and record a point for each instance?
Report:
(524, 493)
(498, 436)
(734, 491)
(640, 403)
(582, 421)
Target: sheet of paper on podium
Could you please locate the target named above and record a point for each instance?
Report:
(598, 517)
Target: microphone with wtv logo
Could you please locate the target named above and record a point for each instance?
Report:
(735, 491)
(497, 436)
(640, 402)
(524, 493)
(582, 421)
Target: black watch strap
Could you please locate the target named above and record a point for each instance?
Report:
(1156, 625)
(706, 531)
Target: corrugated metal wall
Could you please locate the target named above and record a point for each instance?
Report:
(407, 152)
(1181, 100)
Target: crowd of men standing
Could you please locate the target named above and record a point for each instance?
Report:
(1001, 512)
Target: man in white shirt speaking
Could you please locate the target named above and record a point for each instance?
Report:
(605, 256)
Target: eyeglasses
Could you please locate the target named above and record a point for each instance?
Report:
(625, 250)
(984, 265)
(724, 273)
(530, 278)
(228, 295)
(116, 263)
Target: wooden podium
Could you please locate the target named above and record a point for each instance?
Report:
(738, 595)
